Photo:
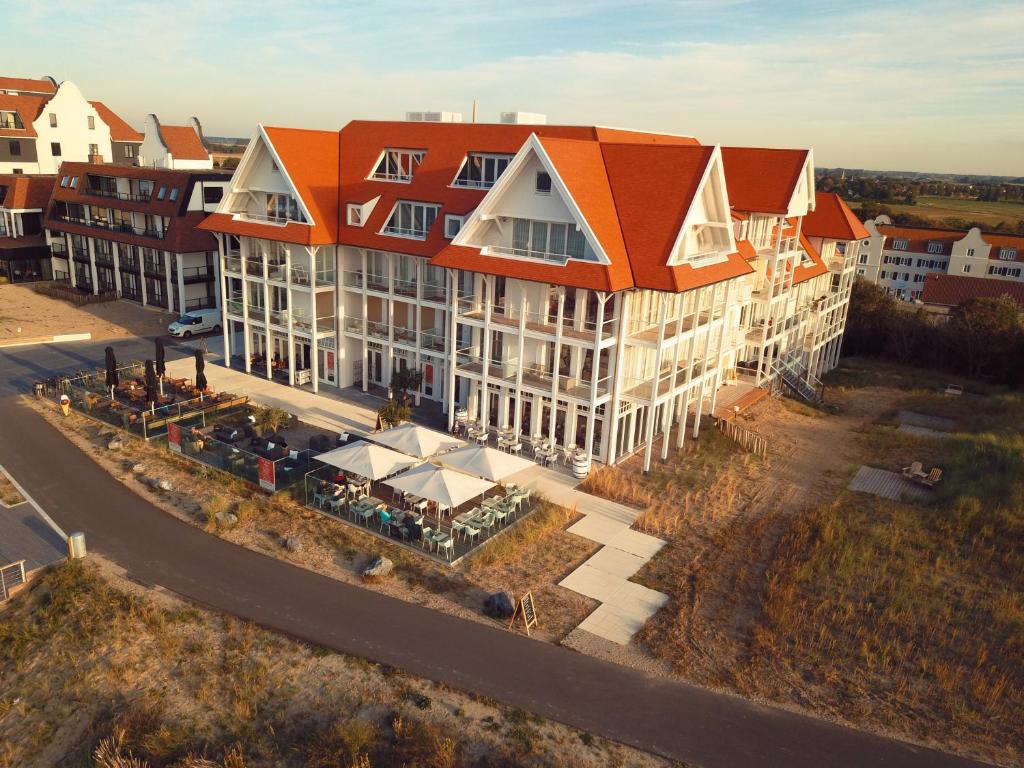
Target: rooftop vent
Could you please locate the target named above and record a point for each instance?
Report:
(524, 118)
(433, 117)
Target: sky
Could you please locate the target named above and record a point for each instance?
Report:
(926, 86)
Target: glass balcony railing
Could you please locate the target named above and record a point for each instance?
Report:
(233, 264)
(377, 329)
(354, 324)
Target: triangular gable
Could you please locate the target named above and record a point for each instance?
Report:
(707, 226)
(580, 195)
(803, 200)
(764, 180)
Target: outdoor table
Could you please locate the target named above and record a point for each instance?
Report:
(490, 501)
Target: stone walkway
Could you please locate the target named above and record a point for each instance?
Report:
(625, 605)
(924, 420)
(888, 485)
(916, 431)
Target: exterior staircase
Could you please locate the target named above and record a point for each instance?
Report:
(802, 383)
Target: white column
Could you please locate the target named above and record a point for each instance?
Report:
(267, 337)
(653, 406)
(181, 281)
(595, 375)
(704, 366)
(451, 343)
(611, 415)
(721, 344)
(485, 353)
(222, 301)
(90, 245)
(314, 349)
(366, 326)
(167, 277)
(117, 267)
(291, 320)
(218, 290)
(688, 386)
(521, 362)
(671, 402)
(555, 364)
(244, 245)
(71, 259)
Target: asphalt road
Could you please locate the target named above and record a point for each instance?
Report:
(666, 717)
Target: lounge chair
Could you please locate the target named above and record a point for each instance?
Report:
(932, 478)
(915, 471)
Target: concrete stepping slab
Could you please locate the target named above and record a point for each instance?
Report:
(924, 420)
(912, 429)
(887, 485)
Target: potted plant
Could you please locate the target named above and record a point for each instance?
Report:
(271, 419)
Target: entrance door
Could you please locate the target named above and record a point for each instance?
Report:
(325, 364)
(374, 366)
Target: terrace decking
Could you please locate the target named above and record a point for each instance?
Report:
(887, 485)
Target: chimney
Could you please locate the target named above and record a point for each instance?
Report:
(96, 159)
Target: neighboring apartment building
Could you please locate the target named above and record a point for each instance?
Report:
(43, 123)
(180, 147)
(592, 285)
(24, 254)
(134, 231)
(899, 258)
(944, 292)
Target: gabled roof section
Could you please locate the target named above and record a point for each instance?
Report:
(183, 142)
(763, 180)
(25, 192)
(807, 271)
(951, 290)
(119, 129)
(832, 219)
(25, 85)
(998, 240)
(28, 108)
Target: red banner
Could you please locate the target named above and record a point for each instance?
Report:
(174, 437)
(267, 474)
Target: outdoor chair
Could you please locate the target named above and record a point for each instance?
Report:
(500, 512)
(445, 542)
(426, 540)
(932, 478)
(319, 499)
(487, 521)
(914, 471)
(469, 530)
(385, 519)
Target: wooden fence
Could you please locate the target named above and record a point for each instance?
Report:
(61, 290)
(745, 438)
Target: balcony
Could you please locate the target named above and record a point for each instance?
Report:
(128, 263)
(233, 264)
(325, 276)
(254, 266)
(154, 267)
(354, 324)
(59, 248)
(80, 254)
(131, 295)
(104, 259)
(201, 302)
(377, 283)
(433, 340)
(468, 363)
(136, 197)
(234, 305)
(406, 336)
(433, 292)
(405, 287)
(352, 279)
(377, 329)
(257, 312)
(200, 274)
(536, 322)
(304, 324)
(526, 253)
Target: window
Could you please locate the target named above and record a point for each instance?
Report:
(543, 186)
(15, 147)
(94, 149)
(281, 207)
(63, 181)
(970, 252)
(934, 247)
(17, 170)
(162, 192)
(918, 278)
(899, 245)
(53, 120)
(92, 122)
(129, 151)
(354, 215)
(273, 165)
(967, 268)
(11, 121)
(74, 182)
(212, 194)
(174, 194)
(452, 225)
(543, 239)
(398, 164)
(55, 148)
(411, 219)
(883, 274)
(860, 271)
(1007, 254)
(481, 171)
(920, 263)
(862, 258)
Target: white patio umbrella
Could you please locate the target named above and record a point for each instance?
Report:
(414, 440)
(368, 460)
(440, 485)
(484, 461)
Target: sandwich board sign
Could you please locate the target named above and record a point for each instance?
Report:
(526, 611)
(174, 437)
(266, 474)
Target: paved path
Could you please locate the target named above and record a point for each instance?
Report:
(888, 485)
(926, 420)
(666, 717)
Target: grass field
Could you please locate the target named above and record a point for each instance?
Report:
(940, 208)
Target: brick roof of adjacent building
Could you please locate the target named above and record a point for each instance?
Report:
(951, 290)
(22, 192)
(26, 84)
(183, 142)
(832, 219)
(119, 128)
(28, 109)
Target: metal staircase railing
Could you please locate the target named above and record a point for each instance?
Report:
(796, 381)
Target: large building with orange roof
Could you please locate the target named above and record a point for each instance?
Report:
(591, 288)
(44, 123)
(900, 258)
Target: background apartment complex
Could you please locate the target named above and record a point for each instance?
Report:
(899, 258)
(596, 286)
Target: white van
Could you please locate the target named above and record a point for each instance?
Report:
(196, 321)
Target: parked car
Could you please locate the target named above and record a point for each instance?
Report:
(196, 321)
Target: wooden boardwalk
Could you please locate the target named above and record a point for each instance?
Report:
(888, 485)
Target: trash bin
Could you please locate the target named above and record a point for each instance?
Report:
(39, 389)
(76, 546)
(65, 404)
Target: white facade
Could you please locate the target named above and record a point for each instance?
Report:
(157, 150)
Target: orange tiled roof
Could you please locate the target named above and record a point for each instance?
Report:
(28, 109)
(951, 290)
(119, 129)
(832, 219)
(25, 192)
(183, 142)
(762, 180)
(998, 240)
(26, 84)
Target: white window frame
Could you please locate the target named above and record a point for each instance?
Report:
(354, 215)
(449, 219)
(408, 232)
(935, 247)
(899, 244)
(484, 183)
(967, 268)
(413, 158)
(1008, 253)
(536, 187)
(91, 122)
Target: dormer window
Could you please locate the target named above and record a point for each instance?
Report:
(412, 220)
(899, 245)
(480, 171)
(1007, 254)
(547, 240)
(11, 121)
(354, 215)
(398, 165)
(452, 225)
(162, 192)
(543, 185)
(934, 247)
(282, 207)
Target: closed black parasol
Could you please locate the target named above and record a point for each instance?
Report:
(151, 385)
(200, 376)
(161, 368)
(111, 363)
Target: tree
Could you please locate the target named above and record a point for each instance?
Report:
(985, 333)
(406, 380)
(269, 420)
(393, 413)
